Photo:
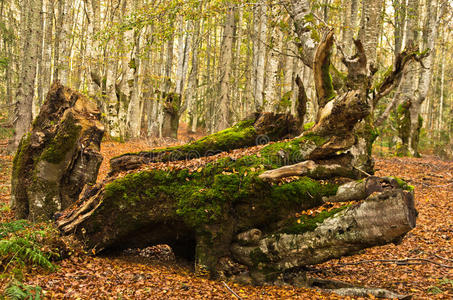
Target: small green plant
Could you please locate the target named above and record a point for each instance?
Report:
(21, 244)
(12, 227)
(444, 283)
(19, 291)
(5, 133)
(25, 250)
(5, 208)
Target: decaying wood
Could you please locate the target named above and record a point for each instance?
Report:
(366, 292)
(356, 190)
(321, 65)
(308, 168)
(260, 128)
(58, 157)
(382, 218)
(392, 80)
(302, 100)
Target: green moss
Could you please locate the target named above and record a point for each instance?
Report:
(309, 223)
(243, 134)
(19, 161)
(292, 148)
(207, 196)
(403, 184)
(309, 126)
(404, 128)
(385, 74)
(327, 81)
(311, 189)
(63, 142)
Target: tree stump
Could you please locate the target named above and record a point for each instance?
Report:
(58, 157)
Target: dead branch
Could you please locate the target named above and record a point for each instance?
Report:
(233, 292)
(307, 168)
(321, 64)
(444, 258)
(393, 79)
(366, 292)
(406, 261)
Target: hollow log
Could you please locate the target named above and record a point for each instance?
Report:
(58, 157)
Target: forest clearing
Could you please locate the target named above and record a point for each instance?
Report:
(211, 149)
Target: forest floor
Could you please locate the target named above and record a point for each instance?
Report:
(154, 274)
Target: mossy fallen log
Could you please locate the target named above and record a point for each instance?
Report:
(257, 129)
(240, 216)
(58, 156)
(215, 211)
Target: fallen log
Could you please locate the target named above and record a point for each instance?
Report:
(242, 216)
(257, 129)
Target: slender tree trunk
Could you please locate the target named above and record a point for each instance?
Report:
(429, 37)
(408, 111)
(130, 83)
(369, 28)
(39, 61)
(352, 10)
(26, 89)
(259, 53)
(192, 89)
(272, 82)
(226, 57)
(46, 77)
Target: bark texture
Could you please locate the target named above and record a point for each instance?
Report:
(58, 157)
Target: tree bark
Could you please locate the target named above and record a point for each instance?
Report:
(409, 123)
(58, 157)
(26, 89)
(225, 69)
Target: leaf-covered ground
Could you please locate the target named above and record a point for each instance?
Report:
(154, 274)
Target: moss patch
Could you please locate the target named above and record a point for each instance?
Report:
(243, 134)
(403, 184)
(309, 223)
(20, 159)
(63, 142)
(208, 196)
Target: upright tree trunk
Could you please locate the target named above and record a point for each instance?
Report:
(259, 54)
(192, 88)
(46, 74)
(272, 90)
(131, 69)
(62, 49)
(409, 124)
(369, 28)
(225, 67)
(429, 38)
(352, 10)
(26, 89)
(39, 61)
